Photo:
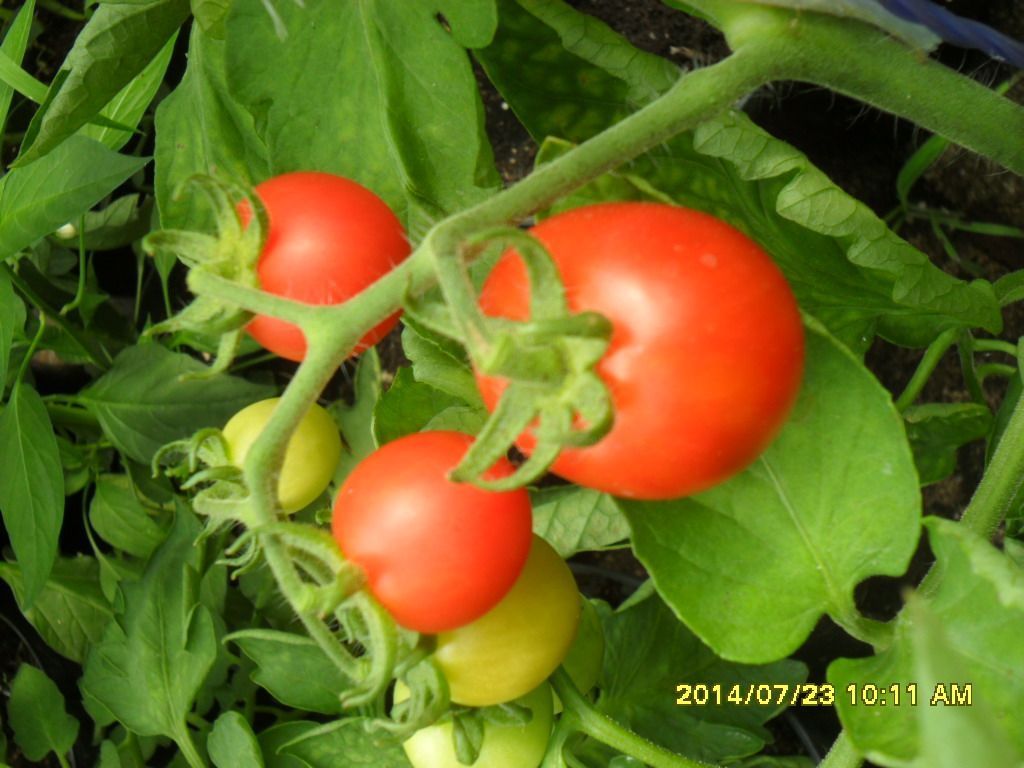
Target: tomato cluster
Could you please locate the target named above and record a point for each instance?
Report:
(703, 365)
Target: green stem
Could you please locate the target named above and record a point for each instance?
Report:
(863, 62)
(1002, 479)
(591, 722)
(842, 754)
(183, 739)
(995, 345)
(877, 634)
(29, 353)
(929, 361)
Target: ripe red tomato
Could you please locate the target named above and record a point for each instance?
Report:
(706, 354)
(328, 239)
(437, 554)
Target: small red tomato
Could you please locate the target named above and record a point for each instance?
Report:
(436, 554)
(706, 353)
(328, 239)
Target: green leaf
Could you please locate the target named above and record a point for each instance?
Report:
(751, 564)
(407, 407)
(210, 15)
(398, 110)
(346, 742)
(294, 669)
(440, 363)
(937, 430)
(968, 633)
(152, 661)
(952, 735)
(142, 403)
(356, 420)
(130, 104)
(273, 742)
(121, 519)
(118, 42)
(31, 488)
(12, 323)
(232, 744)
(70, 613)
(12, 52)
(546, 53)
(38, 198)
(648, 653)
(121, 223)
(40, 723)
(575, 519)
(201, 129)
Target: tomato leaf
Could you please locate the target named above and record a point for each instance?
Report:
(232, 744)
(294, 669)
(14, 46)
(440, 363)
(99, 66)
(70, 613)
(415, 139)
(937, 430)
(967, 631)
(273, 739)
(345, 742)
(200, 129)
(38, 198)
(751, 564)
(152, 661)
(407, 407)
(577, 62)
(39, 720)
(31, 488)
(647, 649)
(575, 519)
(356, 420)
(12, 323)
(142, 403)
(121, 520)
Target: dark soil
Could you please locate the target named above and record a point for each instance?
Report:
(862, 151)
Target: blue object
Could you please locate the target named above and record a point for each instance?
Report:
(957, 30)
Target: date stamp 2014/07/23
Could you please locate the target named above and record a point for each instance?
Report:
(823, 694)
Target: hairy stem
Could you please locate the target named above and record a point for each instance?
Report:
(842, 754)
(582, 714)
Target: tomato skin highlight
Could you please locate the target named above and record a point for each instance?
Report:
(328, 239)
(707, 351)
(310, 458)
(504, 746)
(516, 645)
(437, 554)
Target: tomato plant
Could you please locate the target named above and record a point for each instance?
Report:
(504, 746)
(520, 641)
(707, 349)
(328, 238)
(311, 455)
(436, 554)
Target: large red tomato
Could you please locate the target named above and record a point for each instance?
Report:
(706, 354)
(437, 554)
(328, 239)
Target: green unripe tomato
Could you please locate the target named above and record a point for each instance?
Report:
(310, 458)
(585, 657)
(512, 648)
(504, 746)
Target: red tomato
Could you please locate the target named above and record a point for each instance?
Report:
(437, 554)
(328, 239)
(706, 354)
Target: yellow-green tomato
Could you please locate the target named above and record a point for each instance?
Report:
(512, 648)
(310, 459)
(504, 746)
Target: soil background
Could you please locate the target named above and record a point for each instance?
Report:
(862, 150)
